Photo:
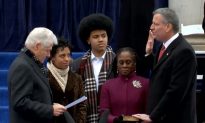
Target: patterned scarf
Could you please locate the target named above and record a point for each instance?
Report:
(86, 70)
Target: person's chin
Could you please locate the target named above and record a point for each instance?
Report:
(65, 66)
(102, 47)
(125, 73)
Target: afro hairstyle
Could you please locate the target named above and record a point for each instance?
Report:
(93, 22)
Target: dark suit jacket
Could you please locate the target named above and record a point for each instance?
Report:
(172, 85)
(30, 97)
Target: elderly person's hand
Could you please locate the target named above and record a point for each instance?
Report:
(58, 109)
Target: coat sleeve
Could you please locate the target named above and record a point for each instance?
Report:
(22, 91)
(105, 102)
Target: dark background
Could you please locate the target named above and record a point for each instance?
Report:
(131, 20)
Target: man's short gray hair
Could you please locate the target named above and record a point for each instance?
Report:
(40, 35)
(169, 16)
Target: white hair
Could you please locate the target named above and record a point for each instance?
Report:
(40, 35)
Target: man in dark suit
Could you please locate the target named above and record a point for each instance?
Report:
(172, 97)
(30, 97)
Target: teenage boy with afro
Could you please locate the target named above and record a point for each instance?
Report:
(94, 66)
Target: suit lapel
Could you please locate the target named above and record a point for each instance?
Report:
(38, 71)
(163, 59)
(167, 52)
(42, 76)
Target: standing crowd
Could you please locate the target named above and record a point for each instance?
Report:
(39, 91)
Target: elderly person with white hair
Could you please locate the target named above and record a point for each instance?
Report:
(30, 97)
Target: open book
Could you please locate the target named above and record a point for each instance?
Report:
(83, 98)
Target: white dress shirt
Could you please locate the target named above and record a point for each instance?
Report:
(97, 64)
(168, 42)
